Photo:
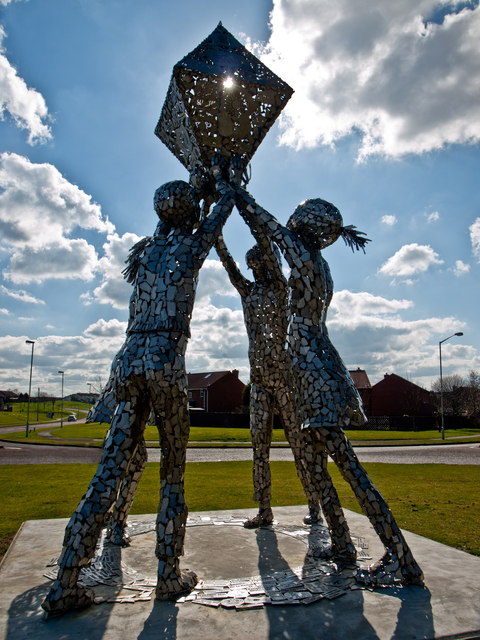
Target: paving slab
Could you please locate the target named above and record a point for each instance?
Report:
(236, 560)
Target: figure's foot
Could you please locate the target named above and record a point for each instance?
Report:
(118, 536)
(345, 555)
(176, 585)
(60, 600)
(171, 582)
(390, 569)
(263, 518)
(313, 517)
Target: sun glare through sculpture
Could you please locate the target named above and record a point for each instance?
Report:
(228, 82)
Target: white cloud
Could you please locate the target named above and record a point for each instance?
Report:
(460, 268)
(374, 333)
(4, 312)
(67, 259)
(218, 341)
(409, 260)
(5, 2)
(26, 106)
(389, 220)
(84, 358)
(433, 217)
(475, 238)
(355, 305)
(113, 289)
(213, 280)
(39, 210)
(106, 328)
(22, 296)
(407, 83)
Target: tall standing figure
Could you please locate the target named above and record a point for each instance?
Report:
(327, 400)
(265, 310)
(149, 373)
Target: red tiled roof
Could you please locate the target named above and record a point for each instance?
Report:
(360, 378)
(206, 379)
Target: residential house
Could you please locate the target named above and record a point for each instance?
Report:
(215, 391)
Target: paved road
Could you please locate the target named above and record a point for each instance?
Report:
(439, 454)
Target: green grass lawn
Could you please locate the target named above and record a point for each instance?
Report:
(18, 416)
(437, 501)
(94, 433)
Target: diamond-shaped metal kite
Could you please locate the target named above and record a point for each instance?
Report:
(220, 98)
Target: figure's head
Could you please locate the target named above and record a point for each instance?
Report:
(176, 203)
(258, 264)
(317, 222)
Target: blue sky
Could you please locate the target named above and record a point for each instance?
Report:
(384, 123)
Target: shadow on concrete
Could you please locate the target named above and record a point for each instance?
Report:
(26, 617)
(342, 618)
(161, 623)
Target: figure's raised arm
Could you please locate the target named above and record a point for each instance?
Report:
(265, 227)
(236, 277)
(211, 226)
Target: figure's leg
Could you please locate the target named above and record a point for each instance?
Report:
(85, 525)
(398, 557)
(261, 424)
(303, 453)
(171, 412)
(116, 533)
(342, 545)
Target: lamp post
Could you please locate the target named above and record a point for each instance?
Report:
(61, 415)
(32, 342)
(442, 428)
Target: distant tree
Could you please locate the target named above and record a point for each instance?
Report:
(472, 395)
(246, 397)
(453, 393)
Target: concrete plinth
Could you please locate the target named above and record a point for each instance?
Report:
(448, 606)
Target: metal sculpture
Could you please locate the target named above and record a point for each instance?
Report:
(327, 399)
(265, 309)
(221, 99)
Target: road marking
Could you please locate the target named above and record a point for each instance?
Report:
(16, 448)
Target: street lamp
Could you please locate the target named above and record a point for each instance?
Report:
(61, 415)
(32, 342)
(442, 428)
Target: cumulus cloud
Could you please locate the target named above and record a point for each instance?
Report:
(4, 312)
(25, 105)
(354, 305)
(218, 341)
(19, 294)
(460, 268)
(403, 75)
(376, 334)
(213, 280)
(113, 289)
(68, 259)
(475, 238)
(84, 358)
(106, 328)
(433, 217)
(409, 260)
(39, 210)
(389, 220)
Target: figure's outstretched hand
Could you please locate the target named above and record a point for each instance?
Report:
(236, 170)
(218, 164)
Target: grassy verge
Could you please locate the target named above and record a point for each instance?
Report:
(93, 434)
(440, 502)
(18, 416)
